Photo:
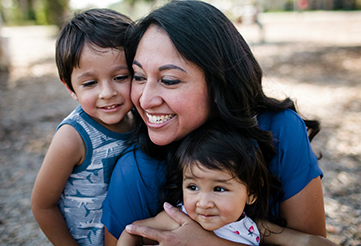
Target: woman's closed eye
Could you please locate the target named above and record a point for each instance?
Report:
(170, 82)
(139, 79)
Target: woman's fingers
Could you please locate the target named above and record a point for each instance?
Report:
(189, 232)
(144, 231)
(164, 238)
(176, 214)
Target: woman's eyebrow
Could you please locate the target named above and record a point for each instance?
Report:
(162, 68)
(135, 62)
(171, 66)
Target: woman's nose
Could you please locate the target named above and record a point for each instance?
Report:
(107, 90)
(150, 96)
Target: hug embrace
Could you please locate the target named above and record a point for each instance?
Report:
(202, 136)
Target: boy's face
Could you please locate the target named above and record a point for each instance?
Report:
(102, 86)
(213, 198)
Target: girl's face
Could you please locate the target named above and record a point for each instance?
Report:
(213, 198)
(169, 92)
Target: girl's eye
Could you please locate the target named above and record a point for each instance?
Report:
(192, 187)
(219, 189)
(169, 82)
(89, 83)
(121, 78)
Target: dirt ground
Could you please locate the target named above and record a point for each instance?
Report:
(312, 57)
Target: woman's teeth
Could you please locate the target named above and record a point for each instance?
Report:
(159, 119)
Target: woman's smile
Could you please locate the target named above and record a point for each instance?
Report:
(159, 119)
(169, 92)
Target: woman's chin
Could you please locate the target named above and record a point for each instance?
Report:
(160, 139)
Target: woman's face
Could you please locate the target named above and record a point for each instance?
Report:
(169, 92)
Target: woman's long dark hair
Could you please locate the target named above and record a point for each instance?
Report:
(204, 36)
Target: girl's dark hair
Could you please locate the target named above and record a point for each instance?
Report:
(203, 35)
(219, 146)
(104, 28)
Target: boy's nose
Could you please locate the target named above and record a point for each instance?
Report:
(107, 91)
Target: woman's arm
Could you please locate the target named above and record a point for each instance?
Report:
(161, 222)
(109, 239)
(65, 151)
(296, 165)
(276, 235)
(188, 233)
(305, 211)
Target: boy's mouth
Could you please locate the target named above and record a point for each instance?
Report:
(111, 107)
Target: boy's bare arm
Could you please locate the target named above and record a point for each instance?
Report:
(66, 150)
(161, 222)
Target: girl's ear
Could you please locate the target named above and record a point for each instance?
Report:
(72, 93)
(251, 199)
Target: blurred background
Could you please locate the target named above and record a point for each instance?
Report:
(310, 50)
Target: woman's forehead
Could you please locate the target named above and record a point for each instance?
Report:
(157, 49)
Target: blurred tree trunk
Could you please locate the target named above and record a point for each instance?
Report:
(56, 11)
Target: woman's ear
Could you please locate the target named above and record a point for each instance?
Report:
(251, 199)
(72, 93)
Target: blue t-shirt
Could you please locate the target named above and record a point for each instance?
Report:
(133, 191)
(130, 198)
(294, 163)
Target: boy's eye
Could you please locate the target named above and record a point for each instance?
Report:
(89, 83)
(219, 189)
(169, 82)
(192, 187)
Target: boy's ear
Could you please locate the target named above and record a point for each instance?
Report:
(72, 93)
(251, 199)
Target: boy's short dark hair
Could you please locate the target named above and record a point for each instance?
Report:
(104, 28)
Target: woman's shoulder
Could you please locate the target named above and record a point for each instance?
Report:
(285, 115)
(287, 120)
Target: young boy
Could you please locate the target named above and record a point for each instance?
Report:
(73, 180)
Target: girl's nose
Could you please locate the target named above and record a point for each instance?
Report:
(205, 201)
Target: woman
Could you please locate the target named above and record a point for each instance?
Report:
(191, 64)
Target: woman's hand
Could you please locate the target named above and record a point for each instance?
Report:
(189, 232)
